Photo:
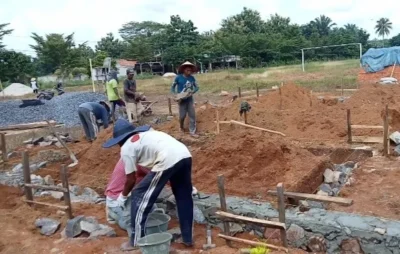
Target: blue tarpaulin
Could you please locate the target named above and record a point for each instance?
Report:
(375, 60)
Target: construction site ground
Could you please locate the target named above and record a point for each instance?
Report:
(252, 161)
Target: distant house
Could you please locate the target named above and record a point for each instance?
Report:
(100, 73)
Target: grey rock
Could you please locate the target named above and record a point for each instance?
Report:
(328, 176)
(100, 201)
(295, 234)
(165, 193)
(335, 191)
(170, 118)
(155, 121)
(58, 144)
(18, 168)
(29, 146)
(45, 143)
(48, 180)
(381, 231)
(397, 150)
(28, 141)
(326, 188)
(52, 155)
(353, 222)
(351, 246)
(56, 194)
(75, 189)
(89, 226)
(103, 231)
(33, 167)
(176, 233)
(73, 227)
(93, 195)
(337, 175)
(395, 137)
(349, 164)
(35, 179)
(47, 226)
(322, 193)
(36, 141)
(45, 194)
(198, 215)
(347, 230)
(60, 213)
(42, 164)
(234, 228)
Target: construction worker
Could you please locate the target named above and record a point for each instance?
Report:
(89, 114)
(186, 83)
(34, 85)
(117, 209)
(134, 107)
(112, 92)
(169, 160)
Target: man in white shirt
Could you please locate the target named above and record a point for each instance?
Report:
(169, 160)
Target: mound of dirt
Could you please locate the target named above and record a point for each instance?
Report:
(253, 163)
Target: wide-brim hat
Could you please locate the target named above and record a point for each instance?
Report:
(33, 79)
(187, 64)
(123, 129)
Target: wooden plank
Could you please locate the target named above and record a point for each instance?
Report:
(257, 128)
(253, 243)
(280, 97)
(45, 187)
(385, 141)
(223, 122)
(272, 224)
(26, 126)
(240, 92)
(367, 127)
(27, 175)
(257, 91)
(3, 147)
(349, 134)
(221, 190)
(313, 197)
(67, 198)
(365, 139)
(347, 90)
(282, 212)
(62, 207)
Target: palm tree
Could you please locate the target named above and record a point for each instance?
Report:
(383, 27)
(323, 24)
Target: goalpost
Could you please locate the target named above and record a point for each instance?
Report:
(329, 46)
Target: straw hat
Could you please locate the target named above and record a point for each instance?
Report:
(33, 79)
(187, 64)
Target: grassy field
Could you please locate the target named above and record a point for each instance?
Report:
(319, 76)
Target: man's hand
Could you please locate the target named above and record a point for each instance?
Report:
(121, 200)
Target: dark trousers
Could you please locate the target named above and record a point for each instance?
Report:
(114, 104)
(186, 107)
(145, 194)
(35, 90)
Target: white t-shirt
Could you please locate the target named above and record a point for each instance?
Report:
(152, 149)
(34, 85)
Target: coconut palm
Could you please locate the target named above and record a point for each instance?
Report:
(383, 27)
(323, 24)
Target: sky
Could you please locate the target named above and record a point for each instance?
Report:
(91, 20)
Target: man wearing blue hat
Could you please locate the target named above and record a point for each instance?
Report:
(169, 160)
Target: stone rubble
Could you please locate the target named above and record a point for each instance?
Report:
(47, 226)
(336, 178)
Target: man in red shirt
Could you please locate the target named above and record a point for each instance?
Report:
(118, 208)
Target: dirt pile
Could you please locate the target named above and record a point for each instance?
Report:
(372, 78)
(252, 163)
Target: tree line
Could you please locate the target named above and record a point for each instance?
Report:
(259, 42)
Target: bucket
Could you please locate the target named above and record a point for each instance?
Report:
(155, 244)
(157, 223)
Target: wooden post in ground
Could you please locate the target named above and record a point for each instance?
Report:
(218, 127)
(311, 98)
(3, 147)
(239, 92)
(27, 176)
(281, 210)
(257, 91)
(342, 88)
(169, 106)
(67, 198)
(280, 98)
(386, 132)
(221, 190)
(349, 135)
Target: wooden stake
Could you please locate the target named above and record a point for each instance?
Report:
(61, 207)
(3, 146)
(27, 176)
(349, 135)
(258, 91)
(170, 106)
(218, 127)
(281, 210)
(245, 117)
(280, 98)
(252, 243)
(221, 190)
(386, 132)
(67, 198)
(313, 197)
(342, 88)
(239, 92)
(311, 98)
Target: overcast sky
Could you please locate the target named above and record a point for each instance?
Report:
(92, 19)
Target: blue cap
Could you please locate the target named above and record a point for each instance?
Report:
(123, 129)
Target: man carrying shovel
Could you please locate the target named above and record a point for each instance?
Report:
(183, 88)
(169, 160)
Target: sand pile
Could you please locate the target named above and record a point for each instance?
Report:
(253, 163)
(17, 89)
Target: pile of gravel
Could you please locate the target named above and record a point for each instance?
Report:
(62, 109)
